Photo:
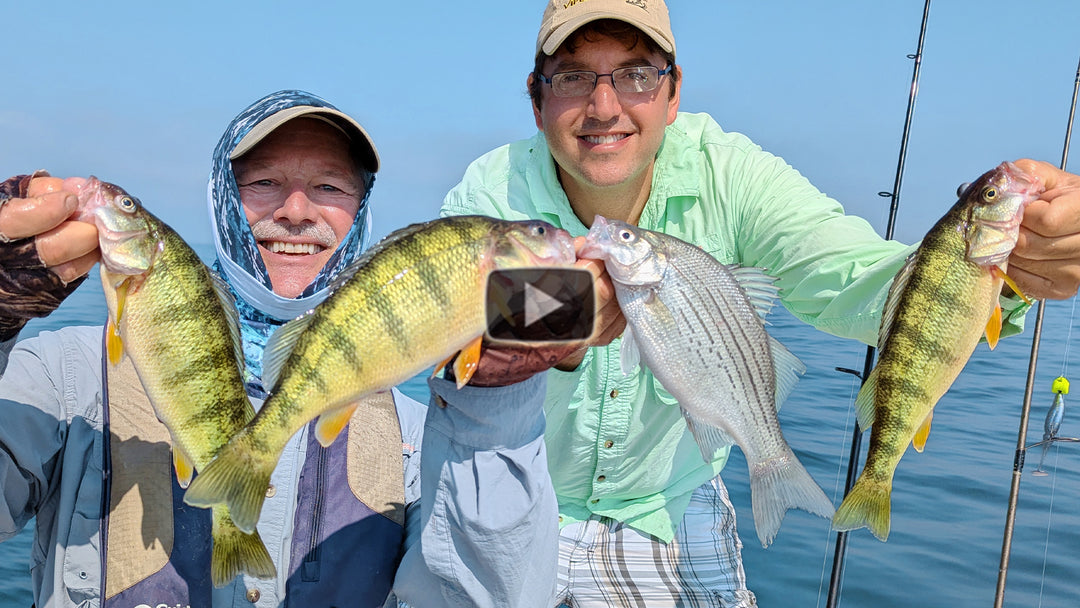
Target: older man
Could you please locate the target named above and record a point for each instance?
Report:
(288, 201)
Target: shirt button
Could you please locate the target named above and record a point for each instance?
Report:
(270, 491)
(253, 595)
(614, 393)
(601, 478)
(595, 500)
(609, 443)
(560, 519)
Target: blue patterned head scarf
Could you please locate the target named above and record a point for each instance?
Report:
(238, 259)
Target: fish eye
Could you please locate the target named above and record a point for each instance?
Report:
(127, 204)
(539, 230)
(989, 193)
(626, 235)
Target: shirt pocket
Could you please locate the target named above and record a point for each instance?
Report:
(718, 248)
(661, 393)
(82, 561)
(82, 545)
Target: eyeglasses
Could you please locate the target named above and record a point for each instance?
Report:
(635, 79)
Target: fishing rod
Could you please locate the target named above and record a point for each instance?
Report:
(1021, 450)
(836, 579)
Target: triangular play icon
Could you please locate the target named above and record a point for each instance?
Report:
(538, 304)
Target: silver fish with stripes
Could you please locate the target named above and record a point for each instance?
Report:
(698, 326)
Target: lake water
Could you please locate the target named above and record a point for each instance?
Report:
(949, 503)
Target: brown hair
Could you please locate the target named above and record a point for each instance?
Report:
(629, 35)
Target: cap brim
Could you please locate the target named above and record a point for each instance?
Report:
(359, 138)
(561, 33)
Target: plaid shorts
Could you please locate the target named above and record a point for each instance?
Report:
(604, 563)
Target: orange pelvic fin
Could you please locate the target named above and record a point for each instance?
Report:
(466, 362)
(999, 273)
(185, 470)
(114, 344)
(442, 364)
(919, 440)
(993, 327)
(330, 423)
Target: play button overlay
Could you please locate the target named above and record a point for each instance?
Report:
(540, 305)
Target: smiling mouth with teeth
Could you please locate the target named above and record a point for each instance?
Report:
(297, 248)
(603, 139)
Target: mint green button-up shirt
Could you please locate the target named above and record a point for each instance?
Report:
(618, 445)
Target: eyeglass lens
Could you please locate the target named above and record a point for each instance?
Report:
(635, 79)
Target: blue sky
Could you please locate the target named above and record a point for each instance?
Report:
(138, 93)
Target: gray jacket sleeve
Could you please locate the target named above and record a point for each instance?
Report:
(486, 529)
(48, 385)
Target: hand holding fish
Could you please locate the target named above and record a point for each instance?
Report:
(66, 247)
(43, 254)
(505, 364)
(610, 322)
(1046, 260)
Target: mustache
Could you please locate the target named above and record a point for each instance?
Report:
(591, 124)
(268, 229)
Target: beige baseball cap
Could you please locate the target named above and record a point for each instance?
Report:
(564, 17)
(359, 140)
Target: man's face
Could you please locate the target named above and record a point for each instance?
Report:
(300, 191)
(606, 138)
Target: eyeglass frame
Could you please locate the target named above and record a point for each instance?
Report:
(659, 72)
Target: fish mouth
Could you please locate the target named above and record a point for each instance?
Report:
(1029, 185)
(1008, 223)
(591, 249)
(563, 245)
(566, 248)
(552, 248)
(594, 240)
(90, 200)
(1023, 184)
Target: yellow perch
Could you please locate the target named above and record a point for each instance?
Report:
(410, 302)
(177, 323)
(940, 304)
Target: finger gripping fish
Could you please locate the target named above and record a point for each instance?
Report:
(698, 327)
(410, 302)
(941, 302)
(176, 322)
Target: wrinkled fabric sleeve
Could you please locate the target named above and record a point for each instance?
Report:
(32, 425)
(486, 531)
(471, 198)
(833, 269)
